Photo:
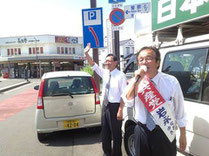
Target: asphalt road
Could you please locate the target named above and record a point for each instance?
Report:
(18, 135)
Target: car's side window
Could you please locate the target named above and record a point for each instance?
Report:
(205, 94)
(129, 70)
(188, 67)
(132, 67)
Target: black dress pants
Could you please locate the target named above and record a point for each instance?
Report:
(111, 130)
(152, 143)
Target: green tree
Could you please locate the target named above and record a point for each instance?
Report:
(88, 69)
(184, 60)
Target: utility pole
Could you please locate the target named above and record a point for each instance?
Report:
(93, 4)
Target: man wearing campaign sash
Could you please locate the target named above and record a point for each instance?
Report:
(158, 101)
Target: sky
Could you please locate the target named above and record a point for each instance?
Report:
(55, 17)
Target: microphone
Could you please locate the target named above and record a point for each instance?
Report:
(143, 67)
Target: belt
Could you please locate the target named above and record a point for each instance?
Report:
(115, 103)
(157, 127)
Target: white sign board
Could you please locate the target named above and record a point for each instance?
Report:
(131, 10)
(109, 36)
(92, 17)
(117, 5)
(116, 28)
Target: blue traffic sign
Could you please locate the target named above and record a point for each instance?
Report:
(117, 16)
(92, 27)
(116, 1)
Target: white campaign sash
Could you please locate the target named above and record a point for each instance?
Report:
(157, 106)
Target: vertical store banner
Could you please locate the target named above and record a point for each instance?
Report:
(93, 27)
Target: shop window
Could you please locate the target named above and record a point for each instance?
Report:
(8, 52)
(12, 51)
(37, 50)
(41, 50)
(58, 50)
(30, 51)
(62, 50)
(70, 50)
(19, 51)
(73, 50)
(34, 50)
(15, 51)
(66, 50)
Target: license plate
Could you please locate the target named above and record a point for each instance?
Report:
(71, 123)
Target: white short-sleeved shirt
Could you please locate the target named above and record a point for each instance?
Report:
(169, 87)
(118, 83)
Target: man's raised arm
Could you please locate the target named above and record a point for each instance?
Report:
(88, 57)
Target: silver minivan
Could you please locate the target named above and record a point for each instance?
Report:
(66, 100)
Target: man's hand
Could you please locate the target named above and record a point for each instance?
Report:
(120, 114)
(87, 48)
(88, 57)
(182, 142)
(141, 71)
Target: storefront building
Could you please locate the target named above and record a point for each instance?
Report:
(35, 55)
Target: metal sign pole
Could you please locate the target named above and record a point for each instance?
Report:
(95, 52)
(117, 18)
(117, 47)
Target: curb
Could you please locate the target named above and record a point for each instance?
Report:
(14, 86)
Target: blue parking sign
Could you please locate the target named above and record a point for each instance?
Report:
(92, 27)
(92, 15)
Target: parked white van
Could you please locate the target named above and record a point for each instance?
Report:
(180, 29)
(189, 63)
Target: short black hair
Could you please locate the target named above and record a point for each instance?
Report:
(114, 57)
(151, 48)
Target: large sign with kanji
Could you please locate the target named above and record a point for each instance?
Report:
(168, 13)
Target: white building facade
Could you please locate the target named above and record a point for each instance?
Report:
(40, 54)
(127, 49)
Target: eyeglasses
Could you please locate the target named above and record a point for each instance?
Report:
(147, 59)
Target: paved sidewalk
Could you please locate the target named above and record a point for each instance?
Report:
(7, 84)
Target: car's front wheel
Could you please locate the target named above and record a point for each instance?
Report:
(129, 141)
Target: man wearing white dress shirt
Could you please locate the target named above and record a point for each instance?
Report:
(114, 82)
(155, 142)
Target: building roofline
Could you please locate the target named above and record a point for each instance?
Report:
(125, 41)
(38, 35)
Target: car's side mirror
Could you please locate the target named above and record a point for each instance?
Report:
(36, 87)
